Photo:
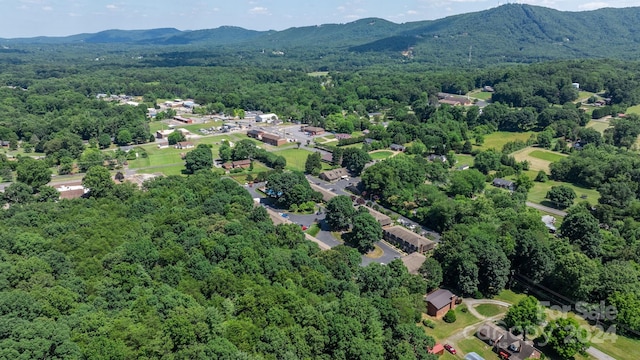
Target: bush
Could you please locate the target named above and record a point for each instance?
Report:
(463, 309)
(428, 323)
(450, 317)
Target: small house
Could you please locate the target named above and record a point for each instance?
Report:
(439, 302)
(381, 218)
(437, 349)
(504, 184)
(396, 147)
(163, 134)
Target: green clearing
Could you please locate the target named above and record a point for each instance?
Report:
(584, 95)
(489, 310)
(539, 191)
(509, 296)
(381, 154)
(633, 110)
(295, 158)
(497, 139)
(318, 73)
(157, 126)
(599, 126)
(546, 155)
(165, 170)
(356, 145)
(479, 94)
(443, 330)
(464, 159)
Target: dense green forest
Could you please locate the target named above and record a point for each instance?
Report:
(188, 269)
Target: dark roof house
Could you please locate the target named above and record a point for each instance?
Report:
(505, 184)
(396, 147)
(505, 344)
(440, 301)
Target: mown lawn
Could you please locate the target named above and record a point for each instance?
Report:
(464, 159)
(497, 139)
(295, 158)
(599, 126)
(509, 296)
(539, 191)
(443, 330)
(546, 155)
(490, 310)
(381, 154)
(479, 94)
(633, 110)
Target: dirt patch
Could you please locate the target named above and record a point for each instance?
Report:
(535, 163)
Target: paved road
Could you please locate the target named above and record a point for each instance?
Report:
(550, 210)
(599, 354)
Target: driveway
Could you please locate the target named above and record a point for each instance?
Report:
(546, 209)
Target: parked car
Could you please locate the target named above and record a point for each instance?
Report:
(450, 349)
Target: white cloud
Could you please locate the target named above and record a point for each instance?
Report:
(47, 8)
(412, 12)
(259, 10)
(74, 14)
(593, 5)
(341, 8)
(111, 7)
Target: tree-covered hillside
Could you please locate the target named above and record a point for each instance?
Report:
(511, 33)
(190, 269)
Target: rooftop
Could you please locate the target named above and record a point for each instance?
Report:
(413, 262)
(410, 237)
(440, 298)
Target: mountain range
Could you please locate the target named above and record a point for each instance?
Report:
(508, 33)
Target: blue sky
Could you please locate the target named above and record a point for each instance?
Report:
(26, 18)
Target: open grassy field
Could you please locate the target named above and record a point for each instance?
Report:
(497, 139)
(546, 155)
(633, 110)
(509, 296)
(479, 94)
(539, 191)
(380, 154)
(295, 158)
(464, 159)
(539, 159)
(598, 125)
(356, 145)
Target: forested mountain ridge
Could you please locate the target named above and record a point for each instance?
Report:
(508, 33)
